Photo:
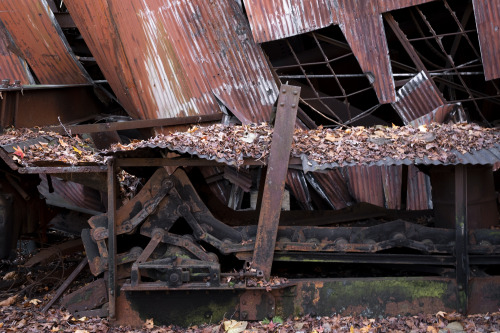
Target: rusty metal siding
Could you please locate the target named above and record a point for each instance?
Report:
(388, 5)
(37, 35)
(365, 184)
(418, 195)
(335, 188)
(11, 66)
(487, 15)
(181, 57)
(392, 180)
(271, 20)
(235, 67)
(297, 185)
(96, 26)
(417, 98)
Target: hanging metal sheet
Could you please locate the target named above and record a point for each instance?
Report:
(335, 188)
(360, 21)
(392, 177)
(417, 98)
(183, 57)
(41, 42)
(98, 31)
(11, 66)
(487, 15)
(365, 184)
(418, 195)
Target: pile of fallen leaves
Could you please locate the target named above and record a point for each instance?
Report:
(37, 147)
(233, 144)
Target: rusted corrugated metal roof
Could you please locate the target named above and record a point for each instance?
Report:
(298, 186)
(360, 21)
(273, 20)
(11, 66)
(417, 98)
(98, 31)
(487, 15)
(38, 37)
(183, 56)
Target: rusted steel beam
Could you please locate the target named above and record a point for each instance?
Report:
(69, 169)
(112, 287)
(461, 253)
(279, 156)
(66, 284)
(134, 124)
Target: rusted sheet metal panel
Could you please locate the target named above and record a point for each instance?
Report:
(418, 195)
(271, 20)
(417, 98)
(11, 66)
(365, 184)
(487, 15)
(335, 188)
(297, 184)
(363, 29)
(38, 37)
(97, 29)
(392, 177)
(182, 57)
(439, 115)
(388, 5)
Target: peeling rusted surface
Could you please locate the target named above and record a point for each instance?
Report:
(12, 67)
(180, 56)
(488, 28)
(38, 37)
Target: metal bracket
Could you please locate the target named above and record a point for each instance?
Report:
(257, 304)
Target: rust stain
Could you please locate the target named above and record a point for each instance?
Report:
(11, 66)
(181, 57)
(35, 32)
(487, 15)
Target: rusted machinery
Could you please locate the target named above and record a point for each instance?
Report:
(182, 250)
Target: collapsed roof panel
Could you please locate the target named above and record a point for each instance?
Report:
(181, 60)
(41, 42)
(487, 15)
(12, 67)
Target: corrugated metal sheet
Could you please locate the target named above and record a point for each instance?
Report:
(392, 177)
(438, 115)
(298, 187)
(183, 56)
(418, 193)
(487, 15)
(37, 35)
(271, 20)
(365, 184)
(70, 194)
(481, 157)
(98, 31)
(334, 187)
(417, 98)
(360, 21)
(363, 28)
(11, 66)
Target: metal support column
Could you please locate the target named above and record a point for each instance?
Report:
(111, 180)
(461, 241)
(277, 168)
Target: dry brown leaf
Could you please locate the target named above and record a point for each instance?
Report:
(9, 301)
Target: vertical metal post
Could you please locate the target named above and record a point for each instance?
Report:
(461, 241)
(111, 180)
(277, 167)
